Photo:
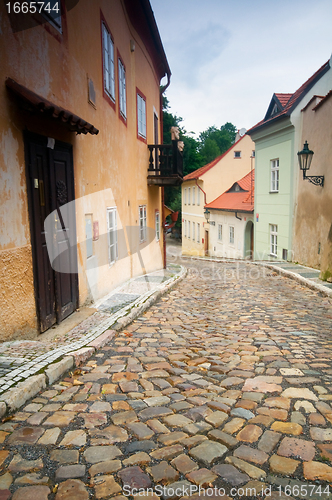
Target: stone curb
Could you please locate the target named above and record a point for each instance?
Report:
(54, 371)
(17, 396)
(297, 277)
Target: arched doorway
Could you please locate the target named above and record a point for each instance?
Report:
(249, 240)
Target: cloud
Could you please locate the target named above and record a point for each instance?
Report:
(228, 58)
(194, 50)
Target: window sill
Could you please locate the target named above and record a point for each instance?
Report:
(273, 192)
(273, 255)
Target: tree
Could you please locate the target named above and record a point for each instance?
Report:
(213, 141)
(209, 150)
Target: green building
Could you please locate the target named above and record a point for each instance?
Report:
(277, 140)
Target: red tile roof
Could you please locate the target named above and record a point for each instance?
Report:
(294, 100)
(200, 171)
(283, 98)
(237, 201)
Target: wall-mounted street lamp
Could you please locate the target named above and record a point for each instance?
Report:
(207, 215)
(305, 158)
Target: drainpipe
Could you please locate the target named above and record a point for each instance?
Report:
(202, 191)
(239, 218)
(163, 225)
(162, 90)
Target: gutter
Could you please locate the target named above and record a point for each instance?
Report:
(199, 187)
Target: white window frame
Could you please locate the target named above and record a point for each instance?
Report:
(185, 228)
(231, 235)
(193, 233)
(237, 154)
(185, 196)
(193, 196)
(189, 229)
(274, 175)
(188, 196)
(198, 197)
(198, 232)
(274, 240)
(122, 89)
(142, 223)
(219, 232)
(108, 62)
(157, 225)
(141, 116)
(112, 232)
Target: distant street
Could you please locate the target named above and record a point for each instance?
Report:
(224, 384)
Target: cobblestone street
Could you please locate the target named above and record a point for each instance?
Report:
(225, 383)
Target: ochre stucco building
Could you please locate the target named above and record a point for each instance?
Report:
(80, 101)
(313, 212)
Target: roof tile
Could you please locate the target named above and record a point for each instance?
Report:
(237, 201)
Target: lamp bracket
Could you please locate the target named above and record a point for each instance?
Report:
(317, 180)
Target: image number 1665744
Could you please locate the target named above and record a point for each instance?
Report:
(50, 8)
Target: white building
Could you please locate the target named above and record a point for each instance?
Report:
(231, 220)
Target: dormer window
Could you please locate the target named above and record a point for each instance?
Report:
(275, 110)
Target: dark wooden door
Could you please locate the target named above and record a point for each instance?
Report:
(206, 243)
(51, 189)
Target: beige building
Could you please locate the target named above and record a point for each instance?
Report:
(79, 104)
(312, 243)
(204, 185)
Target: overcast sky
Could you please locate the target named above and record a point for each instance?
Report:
(228, 57)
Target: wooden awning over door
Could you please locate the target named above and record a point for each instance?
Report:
(37, 104)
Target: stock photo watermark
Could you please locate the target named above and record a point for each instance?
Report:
(296, 490)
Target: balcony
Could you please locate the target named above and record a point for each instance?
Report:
(165, 164)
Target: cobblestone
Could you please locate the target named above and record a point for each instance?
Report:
(225, 380)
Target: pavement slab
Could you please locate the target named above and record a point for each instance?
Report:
(226, 380)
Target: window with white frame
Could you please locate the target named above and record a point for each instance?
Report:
(142, 223)
(237, 154)
(188, 196)
(188, 229)
(185, 196)
(141, 116)
(198, 232)
(275, 176)
(231, 235)
(157, 224)
(273, 239)
(108, 61)
(112, 230)
(219, 232)
(198, 197)
(185, 228)
(194, 195)
(122, 89)
(193, 236)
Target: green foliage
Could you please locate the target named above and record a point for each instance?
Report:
(209, 150)
(214, 142)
